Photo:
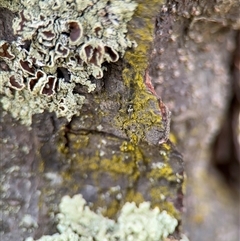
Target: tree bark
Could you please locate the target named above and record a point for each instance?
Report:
(108, 153)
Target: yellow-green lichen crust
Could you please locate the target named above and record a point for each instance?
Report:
(143, 101)
(144, 115)
(128, 162)
(130, 156)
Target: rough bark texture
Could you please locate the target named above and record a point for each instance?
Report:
(198, 78)
(107, 153)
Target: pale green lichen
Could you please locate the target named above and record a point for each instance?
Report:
(12, 5)
(78, 223)
(61, 45)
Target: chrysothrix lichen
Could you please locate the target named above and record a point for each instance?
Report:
(78, 222)
(61, 44)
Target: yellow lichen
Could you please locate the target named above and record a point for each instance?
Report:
(79, 141)
(127, 146)
(164, 172)
(133, 196)
(169, 207)
(112, 209)
(127, 162)
(166, 146)
(142, 118)
(129, 159)
(173, 138)
(118, 165)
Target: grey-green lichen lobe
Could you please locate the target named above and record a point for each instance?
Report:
(78, 222)
(12, 5)
(61, 44)
(23, 104)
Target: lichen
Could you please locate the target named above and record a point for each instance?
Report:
(129, 162)
(61, 45)
(143, 119)
(12, 5)
(78, 222)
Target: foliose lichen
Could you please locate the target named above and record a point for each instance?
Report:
(61, 45)
(78, 223)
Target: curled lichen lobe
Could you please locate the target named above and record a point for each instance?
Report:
(62, 44)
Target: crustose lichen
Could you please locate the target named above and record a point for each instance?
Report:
(61, 45)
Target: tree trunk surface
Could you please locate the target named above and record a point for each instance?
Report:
(190, 53)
